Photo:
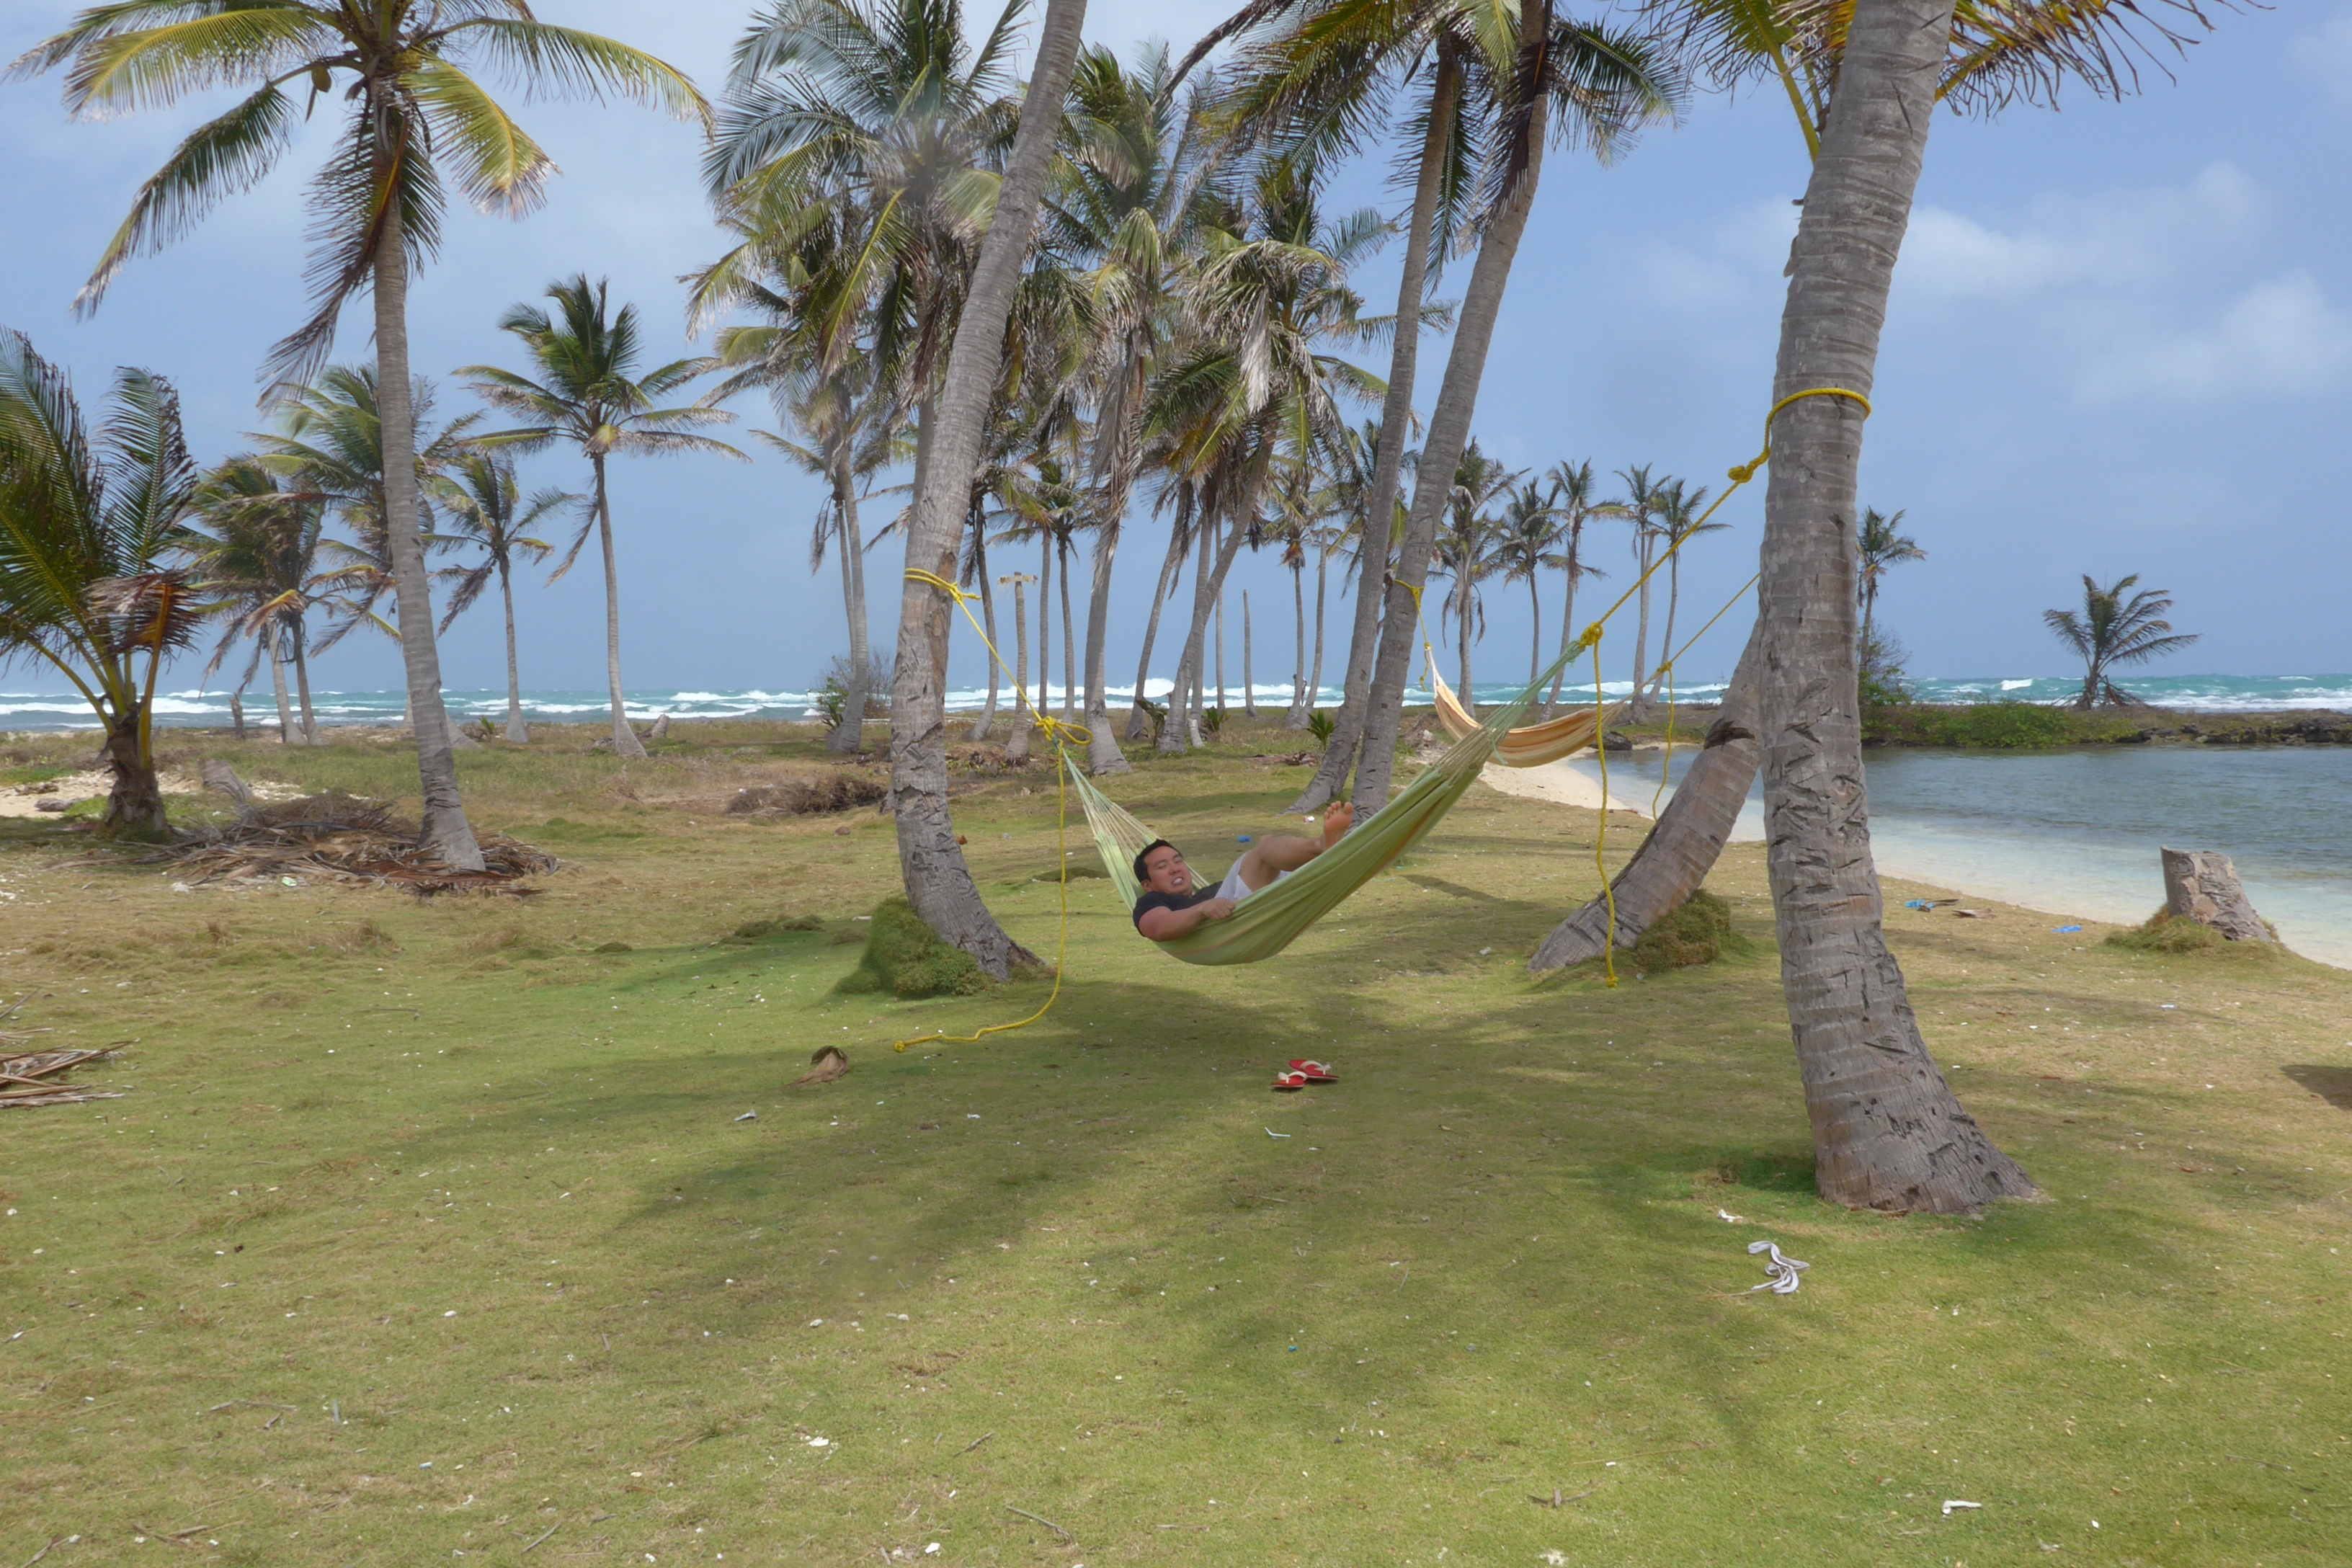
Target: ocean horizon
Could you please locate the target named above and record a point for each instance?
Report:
(200, 707)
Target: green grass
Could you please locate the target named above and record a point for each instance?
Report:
(427, 1226)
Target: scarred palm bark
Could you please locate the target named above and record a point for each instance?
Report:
(1888, 1133)
(939, 881)
(1388, 460)
(1683, 845)
(448, 836)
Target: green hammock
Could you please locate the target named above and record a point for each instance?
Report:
(1267, 921)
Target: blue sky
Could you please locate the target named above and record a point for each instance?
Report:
(2120, 341)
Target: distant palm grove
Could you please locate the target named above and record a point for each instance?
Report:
(1005, 323)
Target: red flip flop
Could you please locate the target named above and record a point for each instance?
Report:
(1290, 1080)
(1315, 1072)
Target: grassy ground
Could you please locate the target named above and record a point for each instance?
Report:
(429, 1227)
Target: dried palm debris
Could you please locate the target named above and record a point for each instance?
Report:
(31, 1080)
(800, 798)
(347, 838)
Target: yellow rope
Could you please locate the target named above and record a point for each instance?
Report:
(1061, 736)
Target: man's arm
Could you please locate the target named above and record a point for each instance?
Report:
(1167, 925)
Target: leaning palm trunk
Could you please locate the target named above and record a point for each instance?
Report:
(850, 733)
(302, 684)
(1388, 460)
(1139, 722)
(1103, 755)
(447, 837)
(625, 743)
(1449, 431)
(1184, 703)
(939, 881)
(287, 734)
(517, 732)
(1683, 845)
(1301, 695)
(1888, 1133)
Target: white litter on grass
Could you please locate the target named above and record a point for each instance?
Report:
(1783, 1271)
(1272, 1133)
(748, 1115)
(820, 1442)
(1727, 1218)
(1951, 1503)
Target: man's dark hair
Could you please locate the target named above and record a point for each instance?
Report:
(1144, 854)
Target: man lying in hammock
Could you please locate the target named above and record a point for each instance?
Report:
(1174, 904)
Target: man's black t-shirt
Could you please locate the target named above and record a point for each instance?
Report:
(1156, 901)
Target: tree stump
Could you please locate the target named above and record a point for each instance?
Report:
(660, 732)
(2202, 886)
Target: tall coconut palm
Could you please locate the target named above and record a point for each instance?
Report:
(1530, 528)
(1583, 83)
(483, 507)
(938, 880)
(87, 522)
(2110, 631)
(1571, 497)
(1876, 547)
(415, 116)
(590, 395)
(1640, 510)
(1470, 551)
(1681, 510)
(252, 541)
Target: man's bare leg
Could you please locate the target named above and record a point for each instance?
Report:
(1270, 856)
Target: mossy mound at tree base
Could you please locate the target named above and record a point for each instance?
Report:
(2166, 933)
(904, 958)
(1698, 931)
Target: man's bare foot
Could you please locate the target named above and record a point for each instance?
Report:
(1336, 823)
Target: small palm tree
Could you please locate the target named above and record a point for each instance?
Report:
(1644, 495)
(1679, 511)
(414, 116)
(588, 395)
(1878, 547)
(252, 542)
(2112, 630)
(483, 508)
(1530, 528)
(85, 525)
(1571, 498)
(1468, 546)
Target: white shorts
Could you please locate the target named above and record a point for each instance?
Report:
(1233, 887)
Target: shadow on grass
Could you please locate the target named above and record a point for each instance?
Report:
(2332, 1084)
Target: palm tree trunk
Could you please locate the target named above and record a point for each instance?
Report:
(1103, 755)
(517, 732)
(625, 743)
(1017, 748)
(1666, 643)
(135, 802)
(236, 712)
(1396, 421)
(302, 683)
(1139, 722)
(447, 837)
(1300, 695)
(1888, 1133)
(1637, 708)
(1249, 682)
(1184, 727)
(1441, 452)
(1045, 703)
(1221, 643)
(1534, 636)
(988, 615)
(1567, 620)
(938, 880)
(1462, 615)
(1069, 635)
(287, 735)
(1314, 674)
(1689, 833)
(850, 733)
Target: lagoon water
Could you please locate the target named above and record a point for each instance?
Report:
(2075, 832)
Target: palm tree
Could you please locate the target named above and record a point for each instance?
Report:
(1876, 547)
(939, 880)
(589, 395)
(1470, 550)
(252, 544)
(1571, 499)
(1530, 529)
(87, 523)
(487, 511)
(414, 114)
(1644, 497)
(1681, 514)
(1582, 82)
(2111, 630)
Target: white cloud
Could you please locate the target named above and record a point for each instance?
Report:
(2278, 337)
(2134, 236)
(2326, 54)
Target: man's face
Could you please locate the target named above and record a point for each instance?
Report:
(1165, 871)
